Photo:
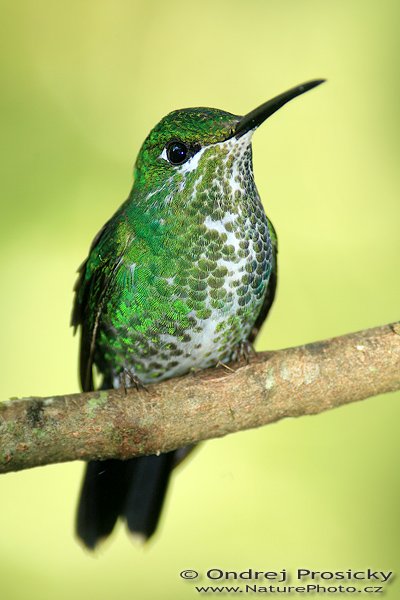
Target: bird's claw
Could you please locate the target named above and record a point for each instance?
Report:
(244, 350)
(127, 380)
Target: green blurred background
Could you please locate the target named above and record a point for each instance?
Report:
(82, 83)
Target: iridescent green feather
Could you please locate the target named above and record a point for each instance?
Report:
(177, 278)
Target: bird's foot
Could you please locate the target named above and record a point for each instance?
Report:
(244, 351)
(127, 380)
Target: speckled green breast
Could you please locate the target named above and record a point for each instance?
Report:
(192, 278)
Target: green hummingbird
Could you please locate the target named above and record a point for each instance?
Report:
(180, 278)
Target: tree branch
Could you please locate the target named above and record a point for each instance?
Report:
(287, 383)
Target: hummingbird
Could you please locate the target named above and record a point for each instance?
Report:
(180, 278)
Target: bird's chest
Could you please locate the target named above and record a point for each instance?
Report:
(194, 311)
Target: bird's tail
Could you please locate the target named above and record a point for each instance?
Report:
(133, 489)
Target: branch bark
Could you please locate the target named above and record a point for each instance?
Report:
(287, 383)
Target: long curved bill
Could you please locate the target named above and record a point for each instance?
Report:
(257, 116)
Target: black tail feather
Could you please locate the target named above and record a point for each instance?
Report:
(101, 500)
(146, 493)
(133, 489)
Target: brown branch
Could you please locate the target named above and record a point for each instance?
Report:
(287, 383)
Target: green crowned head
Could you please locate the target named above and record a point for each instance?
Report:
(188, 141)
(178, 138)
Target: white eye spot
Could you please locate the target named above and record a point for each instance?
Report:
(163, 155)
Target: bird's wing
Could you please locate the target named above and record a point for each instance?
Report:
(269, 298)
(96, 277)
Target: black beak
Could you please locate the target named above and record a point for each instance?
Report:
(257, 116)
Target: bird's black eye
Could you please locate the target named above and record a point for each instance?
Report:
(177, 153)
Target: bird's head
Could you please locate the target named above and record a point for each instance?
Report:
(206, 146)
